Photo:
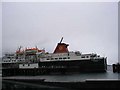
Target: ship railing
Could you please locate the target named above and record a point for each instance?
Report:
(99, 57)
(9, 67)
(78, 53)
(20, 60)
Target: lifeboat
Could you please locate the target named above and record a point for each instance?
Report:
(32, 51)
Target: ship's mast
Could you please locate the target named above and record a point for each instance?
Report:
(61, 40)
(19, 49)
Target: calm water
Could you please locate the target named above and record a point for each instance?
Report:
(0, 76)
(76, 77)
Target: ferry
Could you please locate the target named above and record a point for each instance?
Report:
(34, 61)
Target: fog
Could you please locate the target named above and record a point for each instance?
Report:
(88, 27)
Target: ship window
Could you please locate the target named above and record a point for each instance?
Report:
(28, 64)
(47, 58)
(23, 64)
(56, 58)
(87, 56)
(60, 58)
(68, 57)
(8, 57)
(64, 58)
(82, 56)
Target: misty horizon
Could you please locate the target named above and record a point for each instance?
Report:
(88, 27)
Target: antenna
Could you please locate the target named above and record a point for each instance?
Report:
(36, 46)
(19, 48)
(61, 39)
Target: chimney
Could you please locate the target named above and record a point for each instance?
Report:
(61, 47)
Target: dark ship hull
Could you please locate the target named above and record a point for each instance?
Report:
(58, 67)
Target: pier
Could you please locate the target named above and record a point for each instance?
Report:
(37, 83)
(116, 68)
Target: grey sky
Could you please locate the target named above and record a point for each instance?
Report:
(90, 27)
(0, 29)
